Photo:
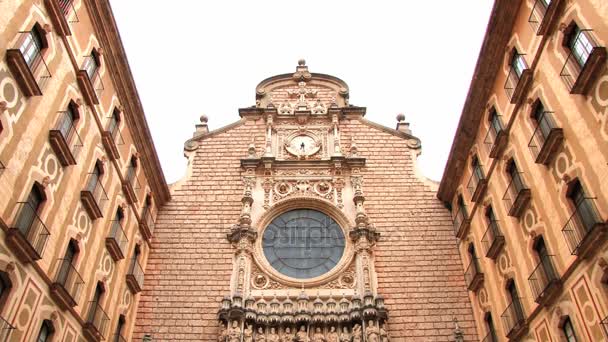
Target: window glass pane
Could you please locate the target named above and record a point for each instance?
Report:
(568, 330)
(44, 333)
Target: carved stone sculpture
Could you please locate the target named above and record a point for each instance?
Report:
(383, 334)
(372, 332)
(248, 334)
(332, 336)
(318, 336)
(273, 336)
(345, 335)
(223, 333)
(357, 333)
(234, 334)
(260, 336)
(302, 335)
(287, 335)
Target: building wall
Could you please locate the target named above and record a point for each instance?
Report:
(582, 155)
(28, 157)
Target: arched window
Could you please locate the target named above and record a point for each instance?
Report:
(32, 45)
(132, 169)
(579, 42)
(46, 331)
(477, 170)
(95, 177)
(119, 329)
(114, 123)
(495, 122)
(5, 288)
(491, 336)
(91, 64)
(518, 63)
(28, 214)
(585, 213)
(67, 264)
(568, 330)
(67, 121)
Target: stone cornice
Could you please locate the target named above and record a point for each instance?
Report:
(391, 131)
(491, 55)
(115, 57)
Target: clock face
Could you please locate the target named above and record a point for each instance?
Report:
(303, 243)
(303, 145)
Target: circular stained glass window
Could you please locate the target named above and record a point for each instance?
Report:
(303, 243)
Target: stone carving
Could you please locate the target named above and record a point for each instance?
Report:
(357, 333)
(372, 332)
(302, 335)
(234, 333)
(318, 336)
(319, 108)
(302, 93)
(286, 108)
(345, 335)
(332, 336)
(260, 336)
(303, 187)
(303, 144)
(248, 334)
(383, 334)
(223, 333)
(273, 336)
(287, 335)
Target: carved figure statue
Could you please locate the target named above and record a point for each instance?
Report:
(223, 333)
(319, 108)
(285, 108)
(234, 334)
(332, 336)
(318, 336)
(248, 334)
(372, 332)
(287, 335)
(357, 333)
(302, 335)
(273, 337)
(345, 335)
(383, 334)
(260, 336)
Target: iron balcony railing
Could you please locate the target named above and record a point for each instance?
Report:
(544, 126)
(118, 338)
(538, 14)
(542, 277)
(68, 10)
(132, 178)
(578, 56)
(474, 180)
(604, 324)
(68, 131)
(97, 318)
(93, 74)
(472, 272)
(96, 189)
(31, 227)
(511, 82)
(118, 234)
(491, 237)
(5, 330)
(114, 130)
(148, 219)
(581, 224)
(32, 55)
(515, 188)
(460, 218)
(490, 140)
(137, 272)
(513, 317)
(69, 278)
(490, 337)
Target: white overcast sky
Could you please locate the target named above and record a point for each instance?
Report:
(205, 57)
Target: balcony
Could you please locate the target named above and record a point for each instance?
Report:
(135, 277)
(543, 15)
(462, 222)
(111, 139)
(65, 141)
(5, 330)
(477, 187)
(604, 324)
(493, 241)
(118, 338)
(544, 281)
(495, 142)
(28, 235)
(147, 224)
(580, 70)
(96, 324)
(514, 321)
(516, 86)
(62, 13)
(546, 139)
(517, 196)
(32, 74)
(490, 337)
(584, 230)
(94, 197)
(90, 83)
(473, 276)
(67, 286)
(117, 241)
(130, 185)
